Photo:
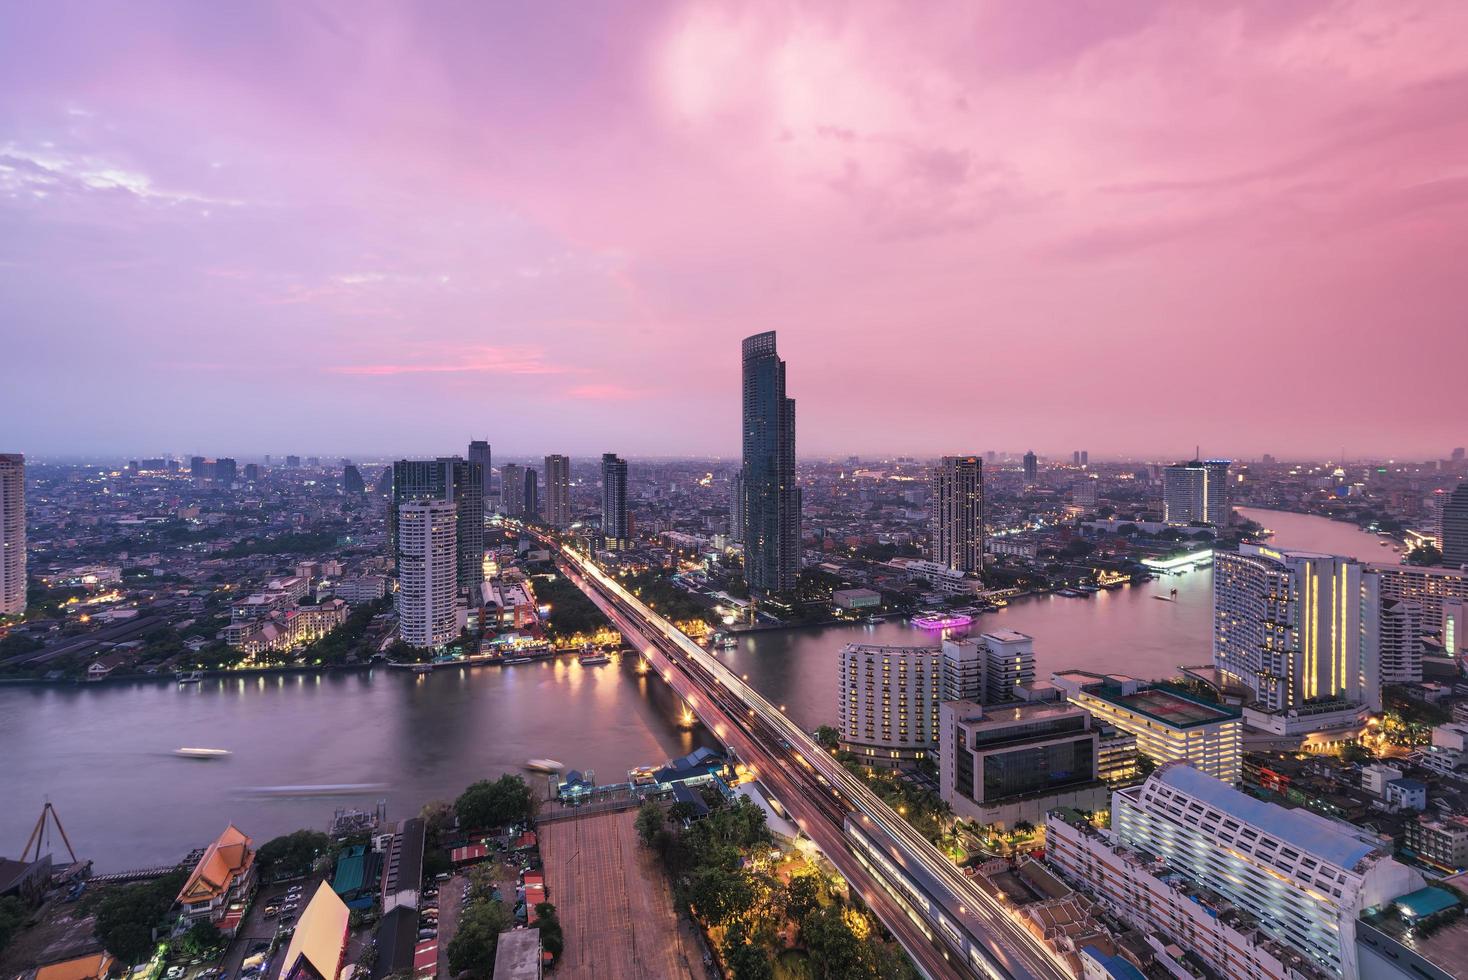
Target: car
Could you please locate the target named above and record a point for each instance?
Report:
(259, 948)
(427, 933)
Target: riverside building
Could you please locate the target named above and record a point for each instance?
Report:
(427, 586)
(1169, 724)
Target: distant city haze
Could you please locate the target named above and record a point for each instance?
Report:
(1130, 228)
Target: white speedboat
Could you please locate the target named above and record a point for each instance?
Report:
(195, 753)
(544, 765)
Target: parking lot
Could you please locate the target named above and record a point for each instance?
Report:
(257, 930)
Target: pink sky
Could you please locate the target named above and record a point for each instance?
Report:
(1122, 226)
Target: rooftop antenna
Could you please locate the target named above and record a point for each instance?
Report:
(36, 834)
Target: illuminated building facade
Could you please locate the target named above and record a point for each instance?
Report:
(1197, 492)
(615, 527)
(1287, 625)
(888, 711)
(512, 490)
(558, 491)
(1455, 528)
(427, 580)
(457, 481)
(771, 533)
(1169, 724)
(956, 514)
(12, 534)
(1302, 877)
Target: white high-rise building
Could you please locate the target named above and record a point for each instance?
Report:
(1197, 492)
(557, 491)
(1391, 639)
(1302, 877)
(956, 514)
(888, 711)
(1287, 625)
(987, 668)
(1455, 628)
(12, 534)
(427, 572)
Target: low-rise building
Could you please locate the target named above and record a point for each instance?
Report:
(220, 884)
(517, 955)
(853, 599)
(1002, 764)
(319, 944)
(1442, 843)
(1170, 724)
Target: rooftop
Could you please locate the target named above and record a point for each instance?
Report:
(1168, 706)
(1334, 841)
(517, 957)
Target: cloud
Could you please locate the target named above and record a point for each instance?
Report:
(472, 360)
(605, 392)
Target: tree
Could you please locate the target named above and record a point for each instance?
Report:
(744, 958)
(827, 737)
(472, 949)
(127, 916)
(835, 951)
(292, 854)
(438, 819)
(13, 914)
(802, 895)
(649, 822)
(492, 804)
(549, 924)
(719, 895)
(1427, 554)
(201, 938)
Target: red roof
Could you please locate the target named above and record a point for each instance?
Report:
(425, 958)
(473, 852)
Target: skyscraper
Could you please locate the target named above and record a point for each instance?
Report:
(1032, 466)
(1455, 528)
(352, 481)
(614, 525)
(771, 499)
(225, 470)
(1196, 492)
(512, 490)
(459, 482)
(736, 507)
(1287, 625)
(12, 534)
(479, 453)
(532, 495)
(558, 491)
(956, 514)
(427, 552)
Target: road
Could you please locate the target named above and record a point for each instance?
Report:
(948, 925)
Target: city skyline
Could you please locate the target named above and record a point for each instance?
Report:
(1009, 218)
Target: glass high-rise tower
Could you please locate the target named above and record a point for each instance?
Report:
(771, 533)
(615, 527)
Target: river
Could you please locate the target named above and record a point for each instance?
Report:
(103, 754)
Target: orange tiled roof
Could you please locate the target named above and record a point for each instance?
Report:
(226, 859)
(81, 968)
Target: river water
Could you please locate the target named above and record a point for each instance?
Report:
(104, 754)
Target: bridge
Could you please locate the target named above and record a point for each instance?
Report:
(947, 924)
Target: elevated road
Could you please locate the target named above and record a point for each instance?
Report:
(948, 925)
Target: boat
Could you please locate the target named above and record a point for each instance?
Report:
(593, 659)
(190, 677)
(1070, 593)
(194, 753)
(1088, 589)
(725, 642)
(321, 789)
(875, 620)
(516, 660)
(543, 765)
(422, 668)
(934, 620)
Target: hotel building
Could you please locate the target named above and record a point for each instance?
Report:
(1302, 879)
(1287, 625)
(888, 711)
(1002, 764)
(1196, 493)
(1169, 724)
(956, 514)
(12, 534)
(427, 612)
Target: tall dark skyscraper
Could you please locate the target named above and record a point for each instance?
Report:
(352, 481)
(558, 491)
(458, 481)
(225, 470)
(479, 453)
(614, 524)
(12, 534)
(1455, 528)
(771, 498)
(956, 517)
(532, 494)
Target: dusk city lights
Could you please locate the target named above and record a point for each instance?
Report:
(733, 490)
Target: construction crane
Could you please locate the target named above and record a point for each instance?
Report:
(40, 831)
